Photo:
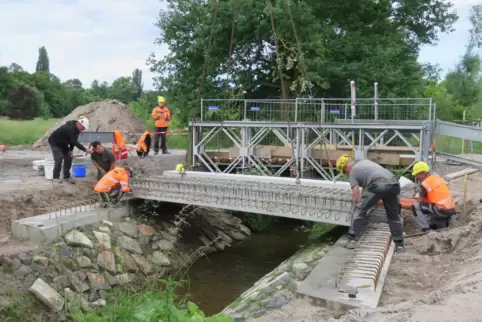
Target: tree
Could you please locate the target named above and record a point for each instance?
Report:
(25, 102)
(43, 61)
(137, 80)
(124, 90)
(283, 48)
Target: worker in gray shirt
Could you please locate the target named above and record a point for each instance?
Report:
(378, 184)
(102, 158)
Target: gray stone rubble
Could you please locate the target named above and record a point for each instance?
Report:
(76, 271)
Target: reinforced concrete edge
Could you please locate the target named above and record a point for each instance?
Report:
(44, 228)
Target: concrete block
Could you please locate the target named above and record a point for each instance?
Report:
(48, 227)
(321, 287)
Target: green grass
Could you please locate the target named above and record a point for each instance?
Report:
(155, 302)
(444, 144)
(23, 132)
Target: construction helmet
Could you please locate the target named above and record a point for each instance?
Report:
(420, 167)
(180, 167)
(342, 162)
(84, 121)
(161, 99)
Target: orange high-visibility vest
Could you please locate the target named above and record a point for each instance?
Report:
(119, 146)
(141, 144)
(164, 116)
(111, 179)
(438, 193)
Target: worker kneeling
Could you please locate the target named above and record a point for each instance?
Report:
(435, 205)
(378, 184)
(113, 185)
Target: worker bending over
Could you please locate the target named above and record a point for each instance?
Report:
(435, 205)
(114, 184)
(378, 184)
(102, 158)
(144, 144)
(161, 115)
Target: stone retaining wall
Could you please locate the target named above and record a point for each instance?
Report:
(78, 269)
(278, 287)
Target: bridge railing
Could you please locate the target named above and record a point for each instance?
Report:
(317, 110)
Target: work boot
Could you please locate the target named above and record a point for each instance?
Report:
(165, 152)
(156, 152)
(70, 180)
(57, 181)
(399, 247)
(350, 244)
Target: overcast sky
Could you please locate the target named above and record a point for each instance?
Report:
(106, 39)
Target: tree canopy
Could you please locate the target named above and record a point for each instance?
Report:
(25, 95)
(286, 48)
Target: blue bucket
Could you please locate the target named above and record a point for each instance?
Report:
(80, 171)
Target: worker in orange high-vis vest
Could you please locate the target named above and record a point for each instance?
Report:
(435, 205)
(114, 184)
(161, 115)
(144, 144)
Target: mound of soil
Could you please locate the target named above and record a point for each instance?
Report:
(105, 116)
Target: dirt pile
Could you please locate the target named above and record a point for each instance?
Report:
(105, 116)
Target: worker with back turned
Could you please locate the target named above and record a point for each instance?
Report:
(435, 205)
(161, 115)
(378, 184)
(62, 142)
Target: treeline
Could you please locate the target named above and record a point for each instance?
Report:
(285, 49)
(25, 95)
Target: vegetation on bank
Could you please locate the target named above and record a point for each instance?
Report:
(154, 302)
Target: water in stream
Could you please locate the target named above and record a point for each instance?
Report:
(215, 282)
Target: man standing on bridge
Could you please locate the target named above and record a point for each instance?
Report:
(378, 184)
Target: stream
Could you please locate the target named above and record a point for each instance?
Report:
(216, 281)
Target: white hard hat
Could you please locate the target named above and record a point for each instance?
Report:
(84, 121)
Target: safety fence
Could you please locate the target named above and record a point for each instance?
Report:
(317, 110)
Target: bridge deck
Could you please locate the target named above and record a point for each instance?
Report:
(312, 200)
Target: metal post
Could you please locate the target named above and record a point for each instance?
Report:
(375, 100)
(353, 108)
(202, 109)
(296, 109)
(323, 111)
(245, 110)
(427, 129)
(463, 140)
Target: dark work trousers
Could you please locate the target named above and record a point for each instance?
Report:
(428, 216)
(163, 139)
(389, 193)
(113, 196)
(60, 155)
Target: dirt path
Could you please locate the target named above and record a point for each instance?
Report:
(23, 193)
(437, 278)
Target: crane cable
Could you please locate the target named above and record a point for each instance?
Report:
(305, 74)
(201, 82)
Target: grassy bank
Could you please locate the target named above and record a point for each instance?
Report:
(157, 302)
(23, 132)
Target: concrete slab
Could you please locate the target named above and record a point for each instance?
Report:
(321, 286)
(50, 226)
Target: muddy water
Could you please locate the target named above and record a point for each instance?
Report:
(214, 282)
